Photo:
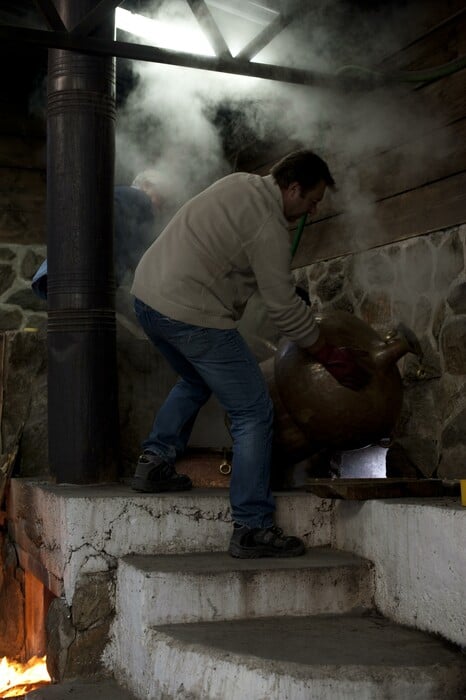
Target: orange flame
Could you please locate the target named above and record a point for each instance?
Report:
(17, 679)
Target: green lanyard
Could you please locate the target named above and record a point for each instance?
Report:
(298, 235)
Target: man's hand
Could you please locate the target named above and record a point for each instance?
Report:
(341, 363)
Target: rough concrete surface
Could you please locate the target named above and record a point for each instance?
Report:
(85, 529)
(417, 547)
(339, 640)
(337, 657)
(214, 586)
(82, 690)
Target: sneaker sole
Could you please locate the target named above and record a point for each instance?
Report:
(146, 486)
(257, 552)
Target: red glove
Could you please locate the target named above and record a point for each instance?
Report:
(342, 363)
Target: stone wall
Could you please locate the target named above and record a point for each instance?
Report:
(19, 306)
(421, 282)
(78, 634)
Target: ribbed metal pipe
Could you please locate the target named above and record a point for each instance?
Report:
(82, 376)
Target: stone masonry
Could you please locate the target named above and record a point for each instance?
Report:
(420, 281)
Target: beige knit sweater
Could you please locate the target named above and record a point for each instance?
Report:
(221, 246)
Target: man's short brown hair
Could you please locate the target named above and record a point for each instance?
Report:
(304, 167)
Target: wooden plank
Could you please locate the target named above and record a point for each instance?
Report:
(369, 489)
(436, 206)
(22, 151)
(429, 14)
(442, 102)
(425, 155)
(33, 202)
(445, 42)
(15, 121)
(261, 161)
(436, 140)
(22, 180)
(22, 227)
(433, 156)
(446, 98)
(203, 467)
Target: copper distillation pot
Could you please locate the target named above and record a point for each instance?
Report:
(313, 411)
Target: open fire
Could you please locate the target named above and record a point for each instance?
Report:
(17, 679)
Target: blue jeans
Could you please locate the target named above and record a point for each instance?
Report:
(211, 360)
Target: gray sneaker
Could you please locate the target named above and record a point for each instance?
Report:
(251, 543)
(154, 475)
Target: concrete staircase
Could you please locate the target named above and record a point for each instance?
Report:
(193, 623)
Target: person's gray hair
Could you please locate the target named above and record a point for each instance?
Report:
(149, 182)
(146, 179)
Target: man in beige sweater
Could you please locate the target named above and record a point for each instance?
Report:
(191, 287)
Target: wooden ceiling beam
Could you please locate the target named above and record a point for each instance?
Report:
(95, 17)
(49, 12)
(210, 27)
(141, 52)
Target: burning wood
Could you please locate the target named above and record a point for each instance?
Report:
(17, 679)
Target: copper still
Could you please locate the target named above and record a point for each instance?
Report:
(313, 411)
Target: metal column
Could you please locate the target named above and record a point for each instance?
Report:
(82, 376)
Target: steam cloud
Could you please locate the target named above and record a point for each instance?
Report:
(193, 126)
(169, 121)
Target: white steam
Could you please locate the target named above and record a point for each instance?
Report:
(168, 120)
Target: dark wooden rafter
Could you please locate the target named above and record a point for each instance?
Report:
(447, 20)
(49, 12)
(200, 11)
(86, 25)
(269, 32)
(210, 27)
(93, 18)
(264, 37)
(141, 52)
(352, 77)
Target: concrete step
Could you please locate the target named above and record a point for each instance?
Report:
(199, 520)
(211, 586)
(82, 689)
(324, 657)
(114, 518)
(89, 527)
(214, 586)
